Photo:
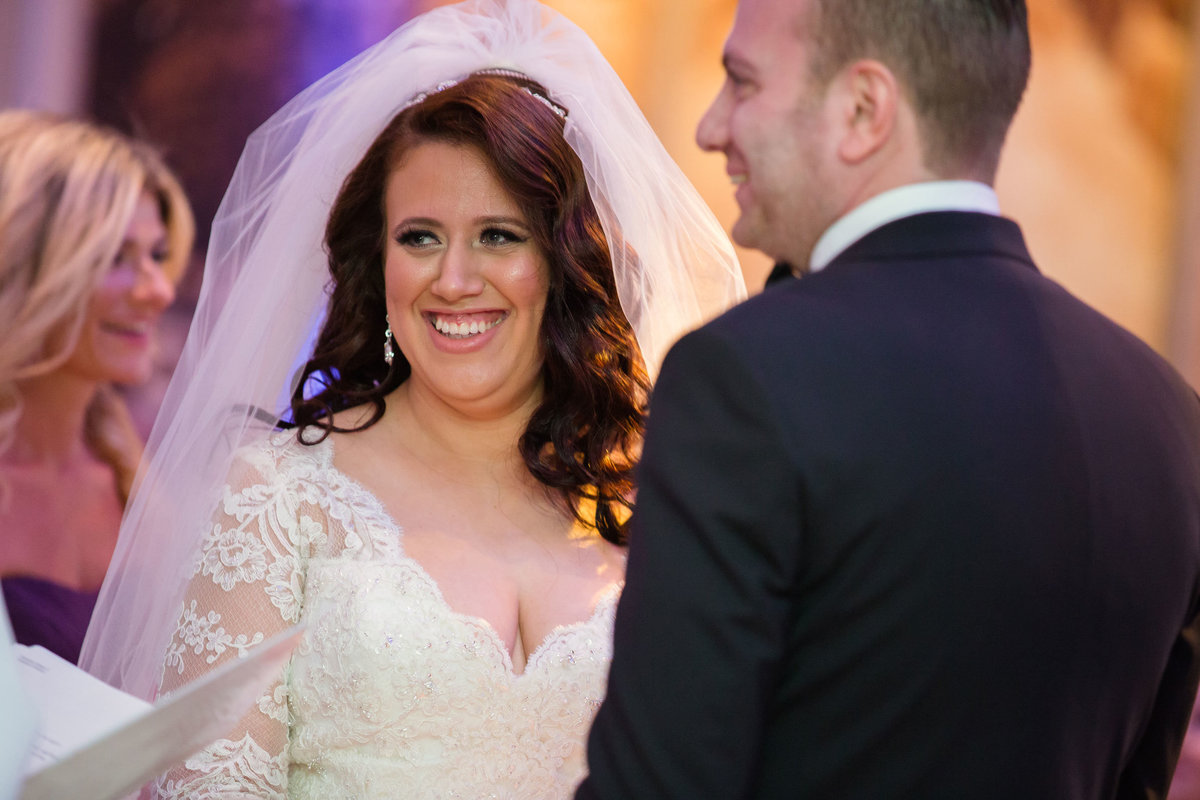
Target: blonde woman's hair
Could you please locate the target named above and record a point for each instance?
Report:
(68, 190)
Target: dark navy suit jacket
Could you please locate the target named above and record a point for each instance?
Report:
(919, 525)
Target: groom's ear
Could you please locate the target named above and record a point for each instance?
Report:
(867, 107)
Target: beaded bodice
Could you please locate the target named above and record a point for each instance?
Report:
(392, 694)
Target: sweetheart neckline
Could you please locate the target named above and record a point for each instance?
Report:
(605, 599)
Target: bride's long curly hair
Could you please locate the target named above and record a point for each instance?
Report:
(583, 439)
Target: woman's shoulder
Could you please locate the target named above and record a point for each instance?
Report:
(277, 455)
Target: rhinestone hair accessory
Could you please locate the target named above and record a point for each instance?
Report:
(421, 97)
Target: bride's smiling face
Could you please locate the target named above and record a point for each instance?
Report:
(465, 281)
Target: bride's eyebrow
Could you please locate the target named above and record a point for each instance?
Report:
(502, 220)
(416, 222)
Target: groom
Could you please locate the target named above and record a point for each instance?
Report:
(920, 524)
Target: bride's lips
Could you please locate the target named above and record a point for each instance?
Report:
(463, 331)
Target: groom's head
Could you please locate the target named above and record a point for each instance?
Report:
(829, 102)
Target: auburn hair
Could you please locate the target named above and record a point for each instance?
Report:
(583, 438)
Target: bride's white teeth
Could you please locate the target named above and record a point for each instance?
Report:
(736, 179)
(463, 329)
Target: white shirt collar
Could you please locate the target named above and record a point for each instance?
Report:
(894, 204)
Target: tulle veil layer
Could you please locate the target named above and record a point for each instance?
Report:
(266, 277)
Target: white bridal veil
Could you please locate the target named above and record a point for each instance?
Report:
(266, 275)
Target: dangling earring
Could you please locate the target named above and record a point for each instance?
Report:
(389, 353)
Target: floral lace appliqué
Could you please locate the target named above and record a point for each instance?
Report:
(391, 694)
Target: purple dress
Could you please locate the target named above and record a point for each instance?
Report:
(47, 613)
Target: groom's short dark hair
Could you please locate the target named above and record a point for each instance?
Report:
(964, 65)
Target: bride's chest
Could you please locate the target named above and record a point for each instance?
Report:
(384, 649)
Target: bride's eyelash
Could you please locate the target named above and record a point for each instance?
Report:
(495, 236)
(412, 237)
(506, 235)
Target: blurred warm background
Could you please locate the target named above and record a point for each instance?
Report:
(1103, 166)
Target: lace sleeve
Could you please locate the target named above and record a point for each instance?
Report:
(246, 587)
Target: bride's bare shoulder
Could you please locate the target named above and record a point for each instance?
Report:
(357, 437)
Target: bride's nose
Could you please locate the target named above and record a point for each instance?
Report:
(459, 274)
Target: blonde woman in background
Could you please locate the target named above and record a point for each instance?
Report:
(94, 234)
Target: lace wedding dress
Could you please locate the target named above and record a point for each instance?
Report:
(392, 694)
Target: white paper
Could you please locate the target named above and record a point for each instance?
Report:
(16, 713)
(150, 741)
(73, 708)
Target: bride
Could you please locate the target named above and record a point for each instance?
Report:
(438, 486)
